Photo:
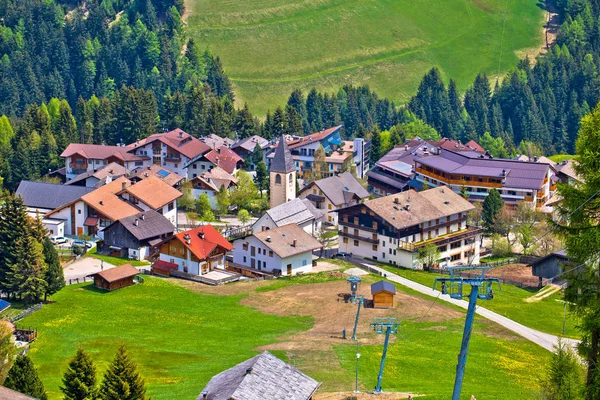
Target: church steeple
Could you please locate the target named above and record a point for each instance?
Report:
(282, 161)
(282, 175)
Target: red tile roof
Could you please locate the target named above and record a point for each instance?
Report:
(176, 139)
(203, 247)
(314, 137)
(100, 152)
(164, 265)
(224, 157)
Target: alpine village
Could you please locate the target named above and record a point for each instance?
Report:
(299, 200)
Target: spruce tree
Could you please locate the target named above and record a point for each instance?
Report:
(262, 177)
(492, 205)
(54, 276)
(79, 380)
(122, 380)
(23, 378)
(376, 151)
(14, 226)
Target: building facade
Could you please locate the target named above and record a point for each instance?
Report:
(392, 229)
(282, 176)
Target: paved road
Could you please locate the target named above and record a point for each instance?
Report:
(542, 339)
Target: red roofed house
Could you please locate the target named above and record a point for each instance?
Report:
(197, 251)
(172, 150)
(222, 157)
(80, 158)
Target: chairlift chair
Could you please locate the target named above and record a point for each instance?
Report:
(485, 291)
(455, 290)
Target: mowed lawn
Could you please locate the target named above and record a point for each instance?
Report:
(546, 315)
(423, 357)
(271, 47)
(179, 338)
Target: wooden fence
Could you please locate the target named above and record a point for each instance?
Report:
(26, 313)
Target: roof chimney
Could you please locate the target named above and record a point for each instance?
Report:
(201, 235)
(101, 203)
(396, 200)
(249, 371)
(269, 239)
(123, 185)
(294, 243)
(405, 147)
(187, 238)
(137, 222)
(205, 394)
(180, 133)
(143, 217)
(407, 207)
(146, 174)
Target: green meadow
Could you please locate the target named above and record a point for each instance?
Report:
(270, 47)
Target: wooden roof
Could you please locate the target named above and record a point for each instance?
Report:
(118, 273)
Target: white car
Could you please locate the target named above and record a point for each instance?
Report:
(58, 240)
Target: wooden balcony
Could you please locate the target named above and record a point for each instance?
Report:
(354, 226)
(441, 240)
(454, 180)
(358, 237)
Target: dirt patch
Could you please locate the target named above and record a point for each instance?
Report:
(231, 289)
(515, 272)
(323, 266)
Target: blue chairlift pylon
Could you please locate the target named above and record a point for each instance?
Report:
(391, 327)
(481, 288)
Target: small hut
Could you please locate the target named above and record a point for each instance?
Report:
(163, 268)
(115, 278)
(383, 294)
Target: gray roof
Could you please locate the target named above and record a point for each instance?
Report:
(7, 394)
(296, 211)
(519, 174)
(342, 188)
(560, 254)
(113, 170)
(381, 286)
(250, 143)
(49, 195)
(263, 377)
(153, 224)
(282, 161)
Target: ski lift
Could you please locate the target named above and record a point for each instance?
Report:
(485, 291)
(455, 289)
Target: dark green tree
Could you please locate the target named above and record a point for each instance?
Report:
(262, 177)
(23, 378)
(54, 276)
(122, 381)
(79, 380)
(492, 205)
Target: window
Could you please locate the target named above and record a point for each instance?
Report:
(78, 211)
(314, 191)
(443, 248)
(329, 207)
(374, 224)
(383, 256)
(304, 262)
(171, 206)
(456, 245)
(363, 210)
(244, 259)
(270, 253)
(259, 264)
(139, 163)
(203, 166)
(356, 232)
(455, 257)
(182, 251)
(193, 166)
(345, 240)
(245, 246)
(278, 179)
(391, 251)
(291, 179)
(356, 243)
(374, 247)
(355, 220)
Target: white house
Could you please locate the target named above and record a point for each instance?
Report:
(285, 250)
(298, 211)
(153, 193)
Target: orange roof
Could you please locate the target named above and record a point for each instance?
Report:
(203, 247)
(100, 152)
(178, 140)
(106, 202)
(153, 191)
(118, 273)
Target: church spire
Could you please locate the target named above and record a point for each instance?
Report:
(282, 161)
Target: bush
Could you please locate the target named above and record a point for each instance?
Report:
(500, 246)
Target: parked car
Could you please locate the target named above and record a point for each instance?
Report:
(59, 240)
(79, 243)
(341, 254)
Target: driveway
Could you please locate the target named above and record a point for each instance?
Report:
(542, 339)
(83, 267)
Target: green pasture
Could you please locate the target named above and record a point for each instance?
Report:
(270, 47)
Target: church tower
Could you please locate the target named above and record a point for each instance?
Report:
(282, 175)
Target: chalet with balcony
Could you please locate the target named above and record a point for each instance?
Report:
(476, 175)
(300, 212)
(153, 193)
(337, 152)
(393, 228)
(222, 157)
(172, 178)
(82, 158)
(331, 194)
(197, 251)
(171, 150)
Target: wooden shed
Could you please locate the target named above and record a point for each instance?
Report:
(115, 278)
(383, 294)
(163, 268)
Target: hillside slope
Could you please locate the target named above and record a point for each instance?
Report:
(269, 47)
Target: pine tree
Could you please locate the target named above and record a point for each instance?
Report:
(376, 146)
(262, 177)
(79, 380)
(23, 378)
(492, 205)
(122, 380)
(54, 276)
(7, 349)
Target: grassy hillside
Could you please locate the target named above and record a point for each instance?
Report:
(270, 47)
